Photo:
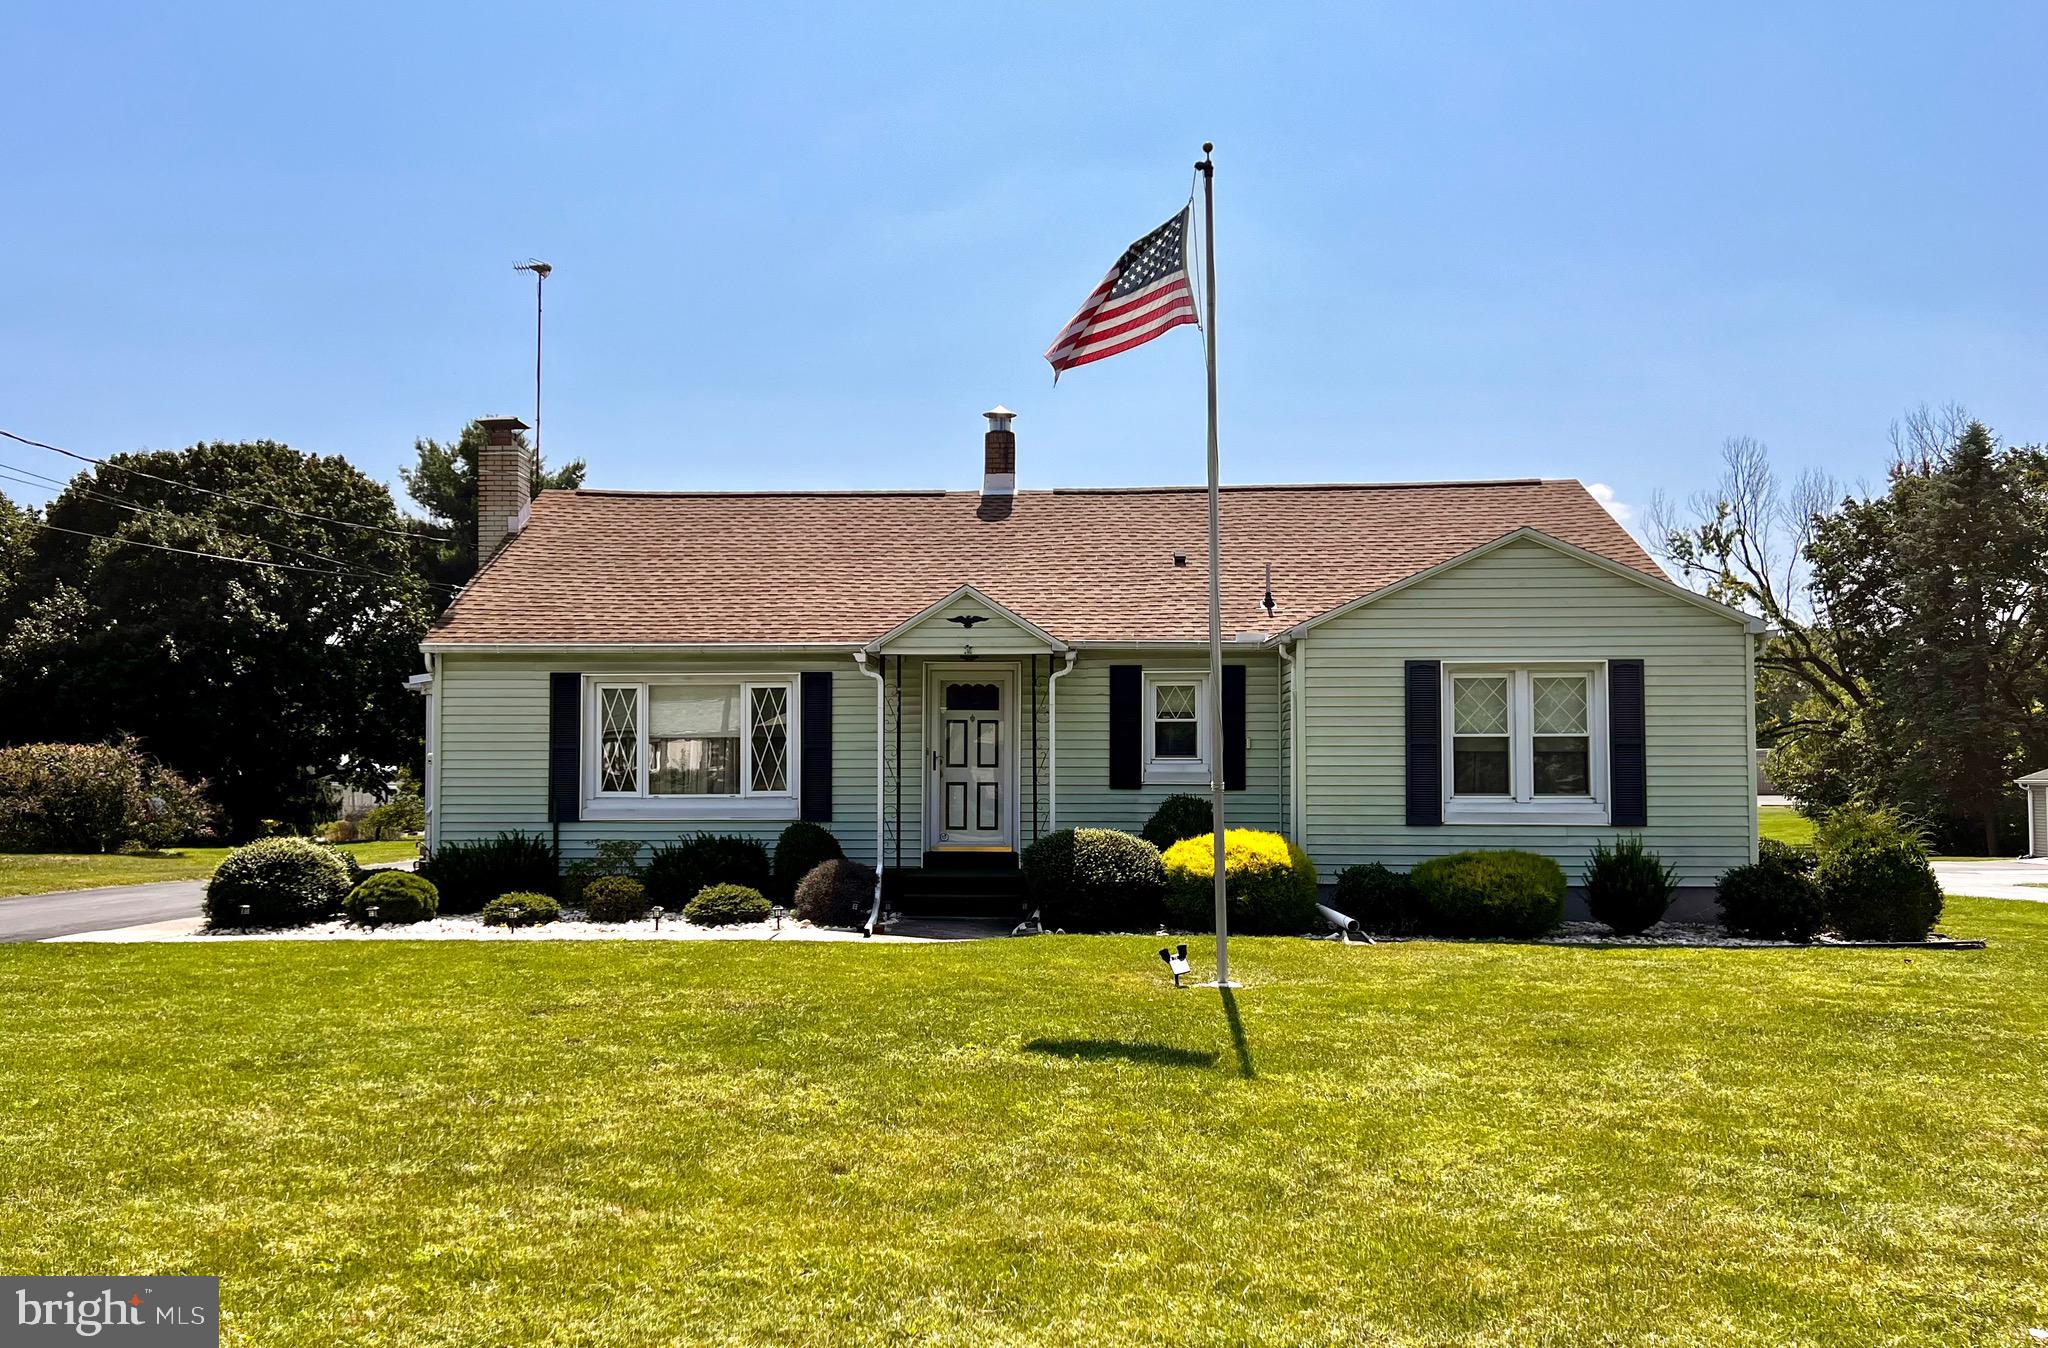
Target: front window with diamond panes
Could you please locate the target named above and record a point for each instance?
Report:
(1560, 734)
(1480, 757)
(693, 738)
(1176, 732)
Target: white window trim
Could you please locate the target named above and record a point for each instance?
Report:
(1522, 805)
(1177, 771)
(638, 804)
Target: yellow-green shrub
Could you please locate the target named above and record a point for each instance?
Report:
(1270, 882)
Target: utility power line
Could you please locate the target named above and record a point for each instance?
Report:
(342, 566)
(214, 556)
(224, 495)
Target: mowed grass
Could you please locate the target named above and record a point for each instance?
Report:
(52, 872)
(1784, 824)
(1040, 1142)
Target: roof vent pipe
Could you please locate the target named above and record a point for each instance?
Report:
(999, 454)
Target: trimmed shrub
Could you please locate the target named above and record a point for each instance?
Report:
(93, 798)
(338, 831)
(1875, 883)
(724, 905)
(522, 910)
(1798, 857)
(1095, 879)
(1269, 882)
(836, 894)
(286, 882)
(404, 814)
(614, 857)
(615, 898)
(400, 898)
(1774, 899)
(1381, 900)
(800, 849)
(1628, 887)
(1177, 819)
(469, 875)
(1490, 894)
(677, 871)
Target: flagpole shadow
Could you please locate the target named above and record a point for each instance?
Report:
(1238, 1042)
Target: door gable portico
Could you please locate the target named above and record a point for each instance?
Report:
(967, 624)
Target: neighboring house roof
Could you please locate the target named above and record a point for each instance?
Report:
(1086, 565)
(2031, 779)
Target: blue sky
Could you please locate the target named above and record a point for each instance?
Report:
(807, 246)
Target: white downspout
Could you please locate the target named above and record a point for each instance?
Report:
(881, 783)
(1297, 770)
(1052, 744)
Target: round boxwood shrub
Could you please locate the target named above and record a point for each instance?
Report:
(800, 849)
(1177, 819)
(286, 882)
(399, 897)
(1095, 879)
(1490, 894)
(1773, 899)
(1875, 883)
(522, 910)
(676, 871)
(836, 894)
(724, 905)
(1381, 900)
(615, 898)
(1791, 856)
(1270, 883)
(1628, 887)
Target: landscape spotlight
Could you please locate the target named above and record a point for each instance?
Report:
(1176, 960)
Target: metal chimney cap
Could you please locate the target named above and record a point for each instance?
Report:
(504, 422)
(999, 412)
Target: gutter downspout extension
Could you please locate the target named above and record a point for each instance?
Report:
(881, 768)
(1052, 744)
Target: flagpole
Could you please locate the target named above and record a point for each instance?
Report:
(1208, 171)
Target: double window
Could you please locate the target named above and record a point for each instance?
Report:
(1525, 740)
(689, 740)
(1177, 727)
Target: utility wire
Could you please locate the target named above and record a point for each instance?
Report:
(341, 566)
(214, 556)
(229, 496)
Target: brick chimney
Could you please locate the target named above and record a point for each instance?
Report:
(999, 454)
(504, 484)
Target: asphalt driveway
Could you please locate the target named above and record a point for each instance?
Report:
(35, 917)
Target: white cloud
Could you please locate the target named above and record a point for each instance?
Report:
(1623, 512)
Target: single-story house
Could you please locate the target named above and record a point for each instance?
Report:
(940, 677)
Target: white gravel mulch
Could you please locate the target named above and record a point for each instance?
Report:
(473, 929)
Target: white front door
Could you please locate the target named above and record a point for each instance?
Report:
(971, 755)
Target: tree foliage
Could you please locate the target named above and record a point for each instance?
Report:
(1907, 658)
(442, 481)
(262, 679)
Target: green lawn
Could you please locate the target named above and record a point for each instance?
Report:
(1038, 1141)
(49, 872)
(1784, 823)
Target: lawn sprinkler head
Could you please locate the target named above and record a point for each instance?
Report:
(657, 910)
(1176, 960)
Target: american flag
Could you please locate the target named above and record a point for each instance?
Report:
(1145, 293)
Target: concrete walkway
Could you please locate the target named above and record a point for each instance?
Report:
(2004, 878)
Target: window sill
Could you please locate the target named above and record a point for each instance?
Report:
(722, 807)
(1576, 813)
(1165, 774)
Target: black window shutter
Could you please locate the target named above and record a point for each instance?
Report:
(1126, 727)
(565, 747)
(1425, 680)
(1233, 727)
(1626, 743)
(816, 805)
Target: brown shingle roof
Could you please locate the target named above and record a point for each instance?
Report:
(1086, 565)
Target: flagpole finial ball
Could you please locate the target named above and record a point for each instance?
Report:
(1208, 146)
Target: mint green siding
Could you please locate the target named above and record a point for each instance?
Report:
(1086, 799)
(1528, 601)
(493, 747)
